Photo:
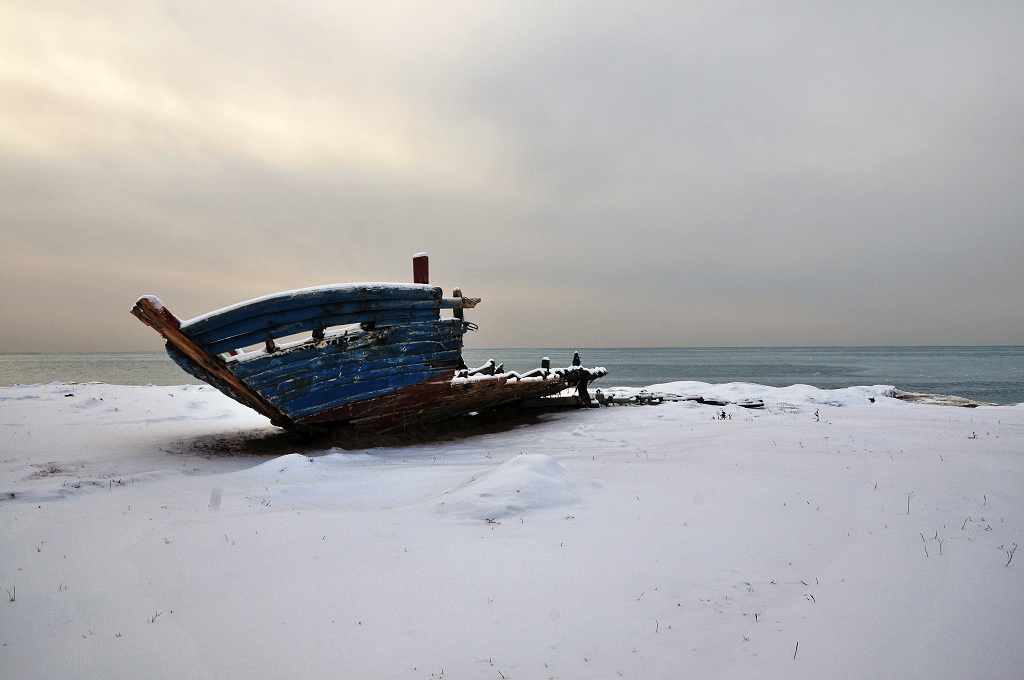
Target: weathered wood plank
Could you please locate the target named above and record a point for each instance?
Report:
(434, 400)
(151, 312)
(309, 297)
(316, 319)
(338, 363)
(307, 407)
(288, 321)
(360, 384)
(313, 381)
(357, 347)
(260, 335)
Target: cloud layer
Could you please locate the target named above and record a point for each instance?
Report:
(730, 174)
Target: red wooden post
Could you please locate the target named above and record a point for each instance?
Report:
(420, 268)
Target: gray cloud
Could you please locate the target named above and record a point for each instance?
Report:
(637, 175)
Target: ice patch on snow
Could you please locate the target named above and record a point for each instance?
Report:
(526, 483)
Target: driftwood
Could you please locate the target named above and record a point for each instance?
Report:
(646, 398)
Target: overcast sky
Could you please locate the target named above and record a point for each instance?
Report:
(635, 174)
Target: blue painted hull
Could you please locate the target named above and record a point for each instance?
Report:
(316, 376)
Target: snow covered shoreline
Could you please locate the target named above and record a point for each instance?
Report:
(658, 541)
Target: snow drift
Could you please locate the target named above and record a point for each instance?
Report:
(525, 483)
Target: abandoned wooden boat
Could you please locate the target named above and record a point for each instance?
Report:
(378, 356)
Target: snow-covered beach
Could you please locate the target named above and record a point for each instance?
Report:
(836, 533)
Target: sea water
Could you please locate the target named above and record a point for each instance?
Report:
(987, 374)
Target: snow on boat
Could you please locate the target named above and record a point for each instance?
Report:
(377, 356)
